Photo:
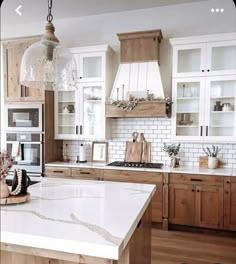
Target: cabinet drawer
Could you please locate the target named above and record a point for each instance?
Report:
(57, 172)
(196, 179)
(84, 173)
(133, 176)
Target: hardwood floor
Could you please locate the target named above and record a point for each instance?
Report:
(178, 247)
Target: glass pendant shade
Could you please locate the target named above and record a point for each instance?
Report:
(46, 65)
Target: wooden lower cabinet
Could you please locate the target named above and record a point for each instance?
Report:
(209, 206)
(181, 204)
(86, 174)
(195, 202)
(62, 172)
(230, 203)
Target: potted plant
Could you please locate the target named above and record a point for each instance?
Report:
(6, 164)
(212, 156)
(172, 151)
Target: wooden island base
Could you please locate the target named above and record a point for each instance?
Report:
(137, 251)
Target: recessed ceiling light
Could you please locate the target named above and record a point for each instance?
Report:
(212, 10)
(222, 10)
(217, 9)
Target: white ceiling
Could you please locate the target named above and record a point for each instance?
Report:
(36, 10)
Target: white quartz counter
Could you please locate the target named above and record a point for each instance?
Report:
(91, 218)
(187, 170)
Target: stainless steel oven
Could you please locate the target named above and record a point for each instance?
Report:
(23, 117)
(26, 150)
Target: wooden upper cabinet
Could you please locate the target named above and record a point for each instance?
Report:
(230, 203)
(182, 204)
(12, 55)
(140, 46)
(209, 206)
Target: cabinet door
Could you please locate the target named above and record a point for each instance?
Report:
(230, 203)
(67, 114)
(91, 67)
(92, 110)
(182, 204)
(209, 206)
(63, 172)
(87, 174)
(221, 58)
(189, 60)
(12, 55)
(220, 108)
(188, 114)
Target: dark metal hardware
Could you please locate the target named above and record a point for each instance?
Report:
(80, 77)
(58, 171)
(81, 130)
(192, 190)
(202, 70)
(201, 130)
(198, 180)
(26, 91)
(207, 131)
(198, 191)
(76, 130)
(21, 91)
(227, 182)
(84, 172)
(208, 70)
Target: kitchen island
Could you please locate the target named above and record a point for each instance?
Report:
(78, 221)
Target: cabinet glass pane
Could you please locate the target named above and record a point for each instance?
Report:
(188, 106)
(93, 116)
(223, 58)
(92, 67)
(189, 60)
(222, 105)
(66, 112)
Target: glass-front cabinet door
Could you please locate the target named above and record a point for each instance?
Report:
(221, 57)
(91, 67)
(92, 121)
(189, 60)
(67, 117)
(220, 108)
(188, 101)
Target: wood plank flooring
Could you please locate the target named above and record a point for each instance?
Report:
(178, 247)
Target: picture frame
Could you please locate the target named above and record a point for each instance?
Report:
(99, 151)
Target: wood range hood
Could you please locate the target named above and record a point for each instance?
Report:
(138, 73)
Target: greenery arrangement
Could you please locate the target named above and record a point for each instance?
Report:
(213, 153)
(171, 150)
(131, 104)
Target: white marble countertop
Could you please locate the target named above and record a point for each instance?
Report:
(94, 218)
(187, 170)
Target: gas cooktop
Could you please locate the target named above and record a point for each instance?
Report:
(136, 164)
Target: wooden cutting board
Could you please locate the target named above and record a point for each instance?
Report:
(133, 151)
(146, 150)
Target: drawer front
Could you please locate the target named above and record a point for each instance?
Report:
(57, 172)
(196, 179)
(133, 176)
(84, 173)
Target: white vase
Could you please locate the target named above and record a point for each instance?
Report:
(4, 190)
(212, 162)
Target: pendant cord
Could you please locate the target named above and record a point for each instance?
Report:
(49, 16)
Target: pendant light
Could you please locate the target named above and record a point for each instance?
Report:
(46, 64)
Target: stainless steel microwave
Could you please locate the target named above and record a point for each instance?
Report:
(23, 117)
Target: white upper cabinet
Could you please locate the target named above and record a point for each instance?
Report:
(204, 88)
(201, 56)
(80, 113)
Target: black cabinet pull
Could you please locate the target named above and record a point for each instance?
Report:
(81, 130)
(227, 182)
(197, 180)
(201, 130)
(202, 70)
(192, 190)
(198, 191)
(207, 131)
(26, 91)
(208, 70)
(76, 130)
(21, 91)
(80, 77)
(58, 171)
(84, 172)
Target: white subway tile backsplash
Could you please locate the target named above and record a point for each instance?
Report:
(157, 131)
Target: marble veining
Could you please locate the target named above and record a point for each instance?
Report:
(77, 216)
